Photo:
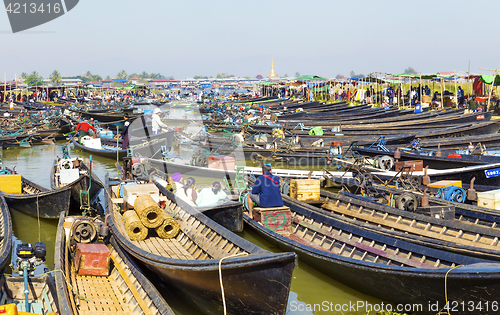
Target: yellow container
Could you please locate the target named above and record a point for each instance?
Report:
(446, 183)
(489, 199)
(10, 309)
(305, 189)
(11, 184)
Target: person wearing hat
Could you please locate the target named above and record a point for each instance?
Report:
(156, 121)
(124, 133)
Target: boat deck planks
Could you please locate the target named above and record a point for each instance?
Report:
(328, 238)
(164, 247)
(418, 227)
(101, 294)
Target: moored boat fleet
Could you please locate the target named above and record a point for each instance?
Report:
(414, 217)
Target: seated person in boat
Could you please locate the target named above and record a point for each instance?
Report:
(435, 100)
(211, 195)
(266, 191)
(187, 192)
(83, 129)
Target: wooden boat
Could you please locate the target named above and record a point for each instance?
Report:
(464, 174)
(106, 117)
(124, 291)
(377, 125)
(42, 291)
(368, 261)
(112, 152)
(5, 232)
(42, 294)
(75, 174)
(307, 141)
(431, 122)
(447, 234)
(255, 281)
(335, 112)
(457, 143)
(37, 201)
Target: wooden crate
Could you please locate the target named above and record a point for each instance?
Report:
(305, 189)
(11, 184)
(131, 192)
(489, 199)
(277, 219)
(92, 259)
(416, 166)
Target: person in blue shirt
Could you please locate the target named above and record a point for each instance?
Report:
(266, 191)
(460, 97)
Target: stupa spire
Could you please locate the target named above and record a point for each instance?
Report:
(272, 74)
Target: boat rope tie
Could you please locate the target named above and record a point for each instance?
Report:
(220, 278)
(81, 297)
(446, 289)
(38, 217)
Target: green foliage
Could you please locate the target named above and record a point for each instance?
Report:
(200, 77)
(297, 74)
(410, 70)
(55, 78)
(33, 79)
(357, 76)
(339, 76)
(145, 75)
(122, 75)
(224, 75)
(108, 77)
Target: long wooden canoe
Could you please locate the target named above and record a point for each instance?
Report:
(255, 281)
(37, 201)
(381, 266)
(124, 291)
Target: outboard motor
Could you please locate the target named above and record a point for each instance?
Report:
(28, 258)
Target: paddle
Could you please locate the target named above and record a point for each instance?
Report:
(117, 148)
(71, 138)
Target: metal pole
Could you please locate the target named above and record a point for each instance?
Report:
(455, 77)
(26, 289)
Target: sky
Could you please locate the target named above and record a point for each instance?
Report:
(326, 38)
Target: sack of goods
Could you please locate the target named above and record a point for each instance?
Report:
(148, 215)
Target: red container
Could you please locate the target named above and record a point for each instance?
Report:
(92, 259)
(455, 156)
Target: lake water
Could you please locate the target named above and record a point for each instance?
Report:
(308, 285)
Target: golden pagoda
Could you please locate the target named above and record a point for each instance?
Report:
(272, 74)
